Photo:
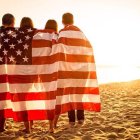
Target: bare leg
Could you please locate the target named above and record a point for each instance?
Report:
(71, 116)
(31, 124)
(80, 116)
(55, 121)
(51, 130)
(2, 123)
(27, 127)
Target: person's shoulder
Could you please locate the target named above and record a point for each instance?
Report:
(7, 29)
(70, 28)
(46, 31)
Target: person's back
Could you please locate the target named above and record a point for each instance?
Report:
(26, 24)
(43, 43)
(77, 76)
(8, 22)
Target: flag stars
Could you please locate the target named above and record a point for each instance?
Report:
(12, 59)
(9, 32)
(25, 59)
(14, 35)
(21, 32)
(19, 41)
(29, 30)
(26, 46)
(6, 40)
(18, 52)
(2, 34)
(12, 46)
(27, 37)
(5, 52)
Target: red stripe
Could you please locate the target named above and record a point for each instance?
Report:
(12, 79)
(77, 90)
(6, 113)
(46, 31)
(5, 96)
(77, 106)
(76, 75)
(3, 78)
(62, 57)
(33, 96)
(28, 115)
(70, 28)
(16, 97)
(41, 43)
(47, 95)
(74, 42)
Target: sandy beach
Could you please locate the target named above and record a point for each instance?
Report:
(119, 119)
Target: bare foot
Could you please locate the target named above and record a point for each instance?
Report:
(81, 122)
(56, 126)
(55, 121)
(26, 131)
(31, 124)
(50, 131)
(71, 124)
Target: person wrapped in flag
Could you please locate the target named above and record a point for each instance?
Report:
(26, 23)
(28, 74)
(77, 81)
(8, 22)
(46, 75)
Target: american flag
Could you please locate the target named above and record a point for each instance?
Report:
(77, 87)
(27, 81)
(55, 77)
(15, 45)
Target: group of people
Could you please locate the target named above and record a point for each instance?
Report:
(8, 21)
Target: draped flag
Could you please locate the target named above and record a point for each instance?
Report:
(28, 79)
(77, 81)
(40, 77)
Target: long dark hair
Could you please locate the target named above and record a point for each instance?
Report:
(51, 24)
(26, 22)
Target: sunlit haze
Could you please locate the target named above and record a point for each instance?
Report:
(112, 26)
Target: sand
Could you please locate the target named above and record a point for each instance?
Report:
(118, 120)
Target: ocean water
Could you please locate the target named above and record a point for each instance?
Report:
(109, 74)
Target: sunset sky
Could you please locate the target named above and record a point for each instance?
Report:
(112, 26)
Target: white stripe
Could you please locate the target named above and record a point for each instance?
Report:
(30, 87)
(72, 34)
(91, 98)
(64, 66)
(45, 69)
(49, 104)
(6, 104)
(75, 50)
(28, 105)
(47, 86)
(63, 83)
(42, 51)
(28, 69)
(59, 48)
(45, 36)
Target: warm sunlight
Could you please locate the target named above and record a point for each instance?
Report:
(107, 74)
(50, 86)
(113, 27)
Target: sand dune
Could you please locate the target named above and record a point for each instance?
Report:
(118, 120)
